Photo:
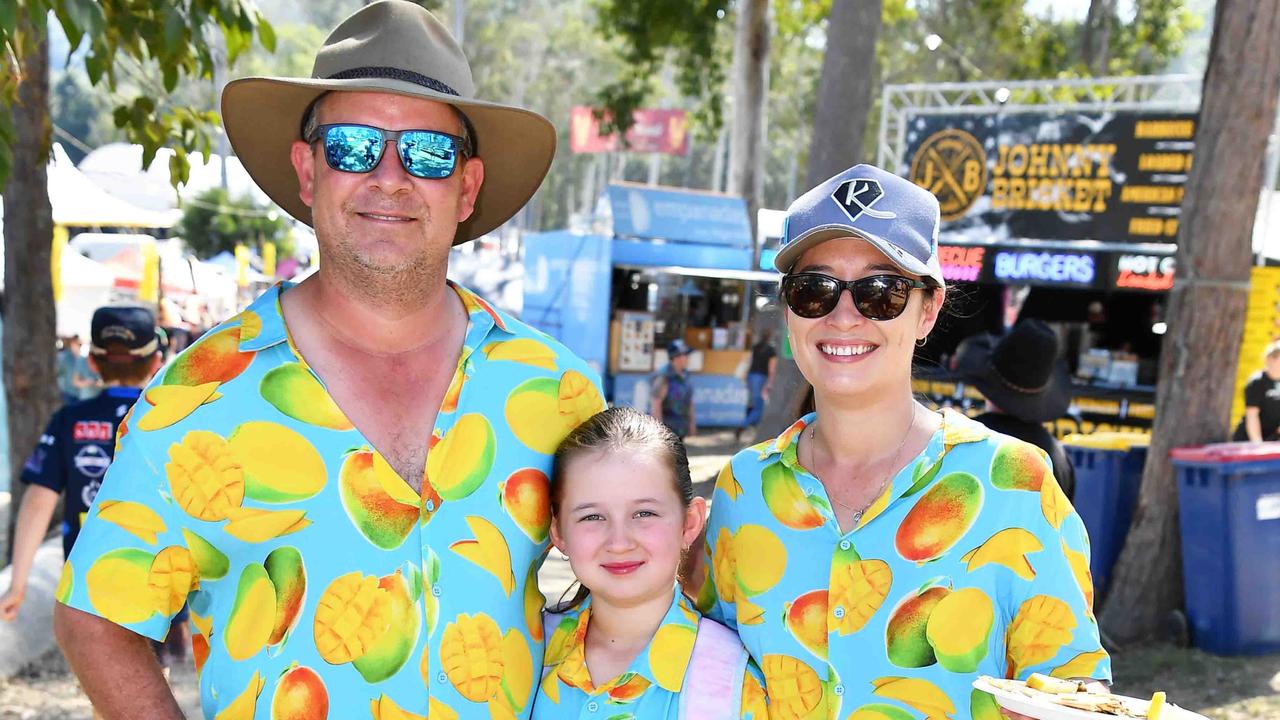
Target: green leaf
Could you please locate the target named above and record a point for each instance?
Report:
(267, 35)
(175, 28)
(169, 75)
(8, 18)
(70, 27)
(179, 167)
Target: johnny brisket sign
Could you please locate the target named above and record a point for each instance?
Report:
(1112, 177)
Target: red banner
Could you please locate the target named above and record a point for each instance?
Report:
(653, 131)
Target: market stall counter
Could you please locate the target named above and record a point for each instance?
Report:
(655, 265)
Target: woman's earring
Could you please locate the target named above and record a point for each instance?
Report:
(921, 341)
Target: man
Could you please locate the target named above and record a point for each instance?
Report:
(1261, 419)
(1026, 383)
(672, 397)
(79, 442)
(76, 379)
(764, 363)
(349, 479)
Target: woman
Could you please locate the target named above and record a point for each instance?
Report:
(878, 556)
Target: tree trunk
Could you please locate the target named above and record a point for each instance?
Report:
(750, 83)
(839, 123)
(30, 381)
(1207, 304)
(1095, 41)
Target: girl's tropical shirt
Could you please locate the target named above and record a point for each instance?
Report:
(319, 581)
(648, 690)
(972, 562)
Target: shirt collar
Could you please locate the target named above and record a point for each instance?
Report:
(127, 392)
(262, 323)
(681, 617)
(956, 429)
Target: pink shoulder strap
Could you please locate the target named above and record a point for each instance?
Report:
(712, 687)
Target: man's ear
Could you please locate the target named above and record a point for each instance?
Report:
(472, 179)
(302, 156)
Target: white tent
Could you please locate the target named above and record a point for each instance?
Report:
(117, 168)
(78, 201)
(86, 286)
(1266, 227)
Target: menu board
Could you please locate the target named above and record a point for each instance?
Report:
(635, 342)
(1114, 177)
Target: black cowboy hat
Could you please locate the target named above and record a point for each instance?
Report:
(1021, 372)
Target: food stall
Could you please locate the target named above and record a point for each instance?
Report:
(1065, 214)
(654, 264)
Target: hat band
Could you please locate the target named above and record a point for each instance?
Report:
(1017, 388)
(394, 73)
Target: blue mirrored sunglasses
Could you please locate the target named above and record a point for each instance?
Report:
(427, 154)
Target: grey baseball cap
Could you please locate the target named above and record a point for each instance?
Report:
(898, 217)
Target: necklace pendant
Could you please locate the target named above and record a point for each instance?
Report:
(856, 518)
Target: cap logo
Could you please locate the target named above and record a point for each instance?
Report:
(857, 196)
(118, 332)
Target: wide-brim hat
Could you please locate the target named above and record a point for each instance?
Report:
(1021, 372)
(392, 46)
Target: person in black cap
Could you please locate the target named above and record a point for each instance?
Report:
(1026, 384)
(79, 442)
(672, 397)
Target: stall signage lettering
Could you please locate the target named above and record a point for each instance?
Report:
(1105, 176)
(1144, 272)
(1052, 176)
(679, 216)
(961, 264)
(1045, 267)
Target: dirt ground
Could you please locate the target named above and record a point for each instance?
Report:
(1222, 688)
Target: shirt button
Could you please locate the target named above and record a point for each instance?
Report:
(844, 544)
(431, 506)
(592, 706)
(838, 612)
(435, 590)
(442, 678)
(838, 689)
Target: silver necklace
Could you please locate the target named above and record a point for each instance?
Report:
(859, 511)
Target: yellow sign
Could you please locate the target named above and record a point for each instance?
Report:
(149, 283)
(242, 265)
(55, 259)
(1261, 328)
(953, 166)
(269, 259)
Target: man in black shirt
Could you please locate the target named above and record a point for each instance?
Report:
(1261, 419)
(764, 362)
(1026, 384)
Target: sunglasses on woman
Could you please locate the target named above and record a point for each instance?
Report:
(878, 297)
(426, 154)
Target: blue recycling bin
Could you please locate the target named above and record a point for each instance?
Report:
(1108, 469)
(1229, 506)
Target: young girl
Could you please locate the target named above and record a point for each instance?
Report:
(630, 643)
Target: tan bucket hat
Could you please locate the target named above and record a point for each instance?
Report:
(397, 47)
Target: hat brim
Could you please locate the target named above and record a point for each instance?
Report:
(1048, 403)
(790, 254)
(263, 117)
